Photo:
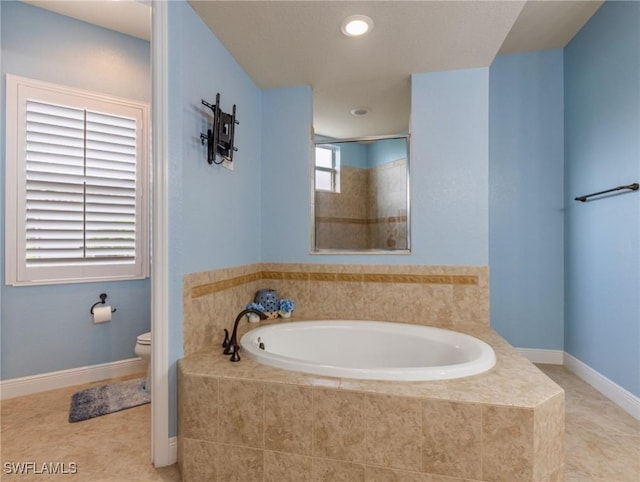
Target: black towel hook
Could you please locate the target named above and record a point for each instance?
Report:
(103, 299)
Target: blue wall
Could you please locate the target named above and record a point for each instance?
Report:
(176, 108)
(602, 150)
(48, 328)
(385, 151)
(214, 213)
(219, 207)
(526, 197)
(449, 167)
(286, 173)
(353, 154)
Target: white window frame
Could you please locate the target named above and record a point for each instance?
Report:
(334, 170)
(18, 91)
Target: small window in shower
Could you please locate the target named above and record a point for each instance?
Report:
(327, 164)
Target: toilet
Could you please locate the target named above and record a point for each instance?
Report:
(143, 350)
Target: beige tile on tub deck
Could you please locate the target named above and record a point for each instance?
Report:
(470, 304)
(281, 467)
(555, 476)
(198, 407)
(452, 439)
(393, 431)
(194, 452)
(299, 292)
(338, 424)
(444, 478)
(383, 474)
(241, 409)
(548, 437)
(507, 437)
(425, 304)
(326, 470)
(288, 418)
(239, 464)
(381, 300)
(319, 299)
(350, 301)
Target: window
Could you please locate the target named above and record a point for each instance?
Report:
(77, 185)
(326, 168)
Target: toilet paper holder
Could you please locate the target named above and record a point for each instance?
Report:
(103, 298)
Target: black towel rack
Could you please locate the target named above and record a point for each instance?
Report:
(632, 187)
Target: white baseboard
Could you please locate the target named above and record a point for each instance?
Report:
(173, 450)
(621, 397)
(538, 355)
(17, 387)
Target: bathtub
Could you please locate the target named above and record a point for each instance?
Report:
(373, 350)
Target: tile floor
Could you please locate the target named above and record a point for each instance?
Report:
(602, 441)
(112, 448)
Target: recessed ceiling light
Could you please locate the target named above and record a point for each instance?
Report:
(359, 111)
(356, 25)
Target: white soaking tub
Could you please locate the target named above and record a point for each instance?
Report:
(374, 350)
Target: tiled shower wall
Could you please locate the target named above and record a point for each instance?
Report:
(445, 296)
(369, 212)
(342, 217)
(388, 201)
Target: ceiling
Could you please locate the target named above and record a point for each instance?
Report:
(132, 17)
(289, 43)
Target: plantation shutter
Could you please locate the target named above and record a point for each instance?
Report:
(77, 185)
(81, 185)
(110, 230)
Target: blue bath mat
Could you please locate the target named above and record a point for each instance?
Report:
(105, 399)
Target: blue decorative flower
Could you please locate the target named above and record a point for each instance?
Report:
(287, 306)
(255, 306)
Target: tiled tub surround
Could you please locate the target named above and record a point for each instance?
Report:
(245, 421)
(446, 296)
(249, 422)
